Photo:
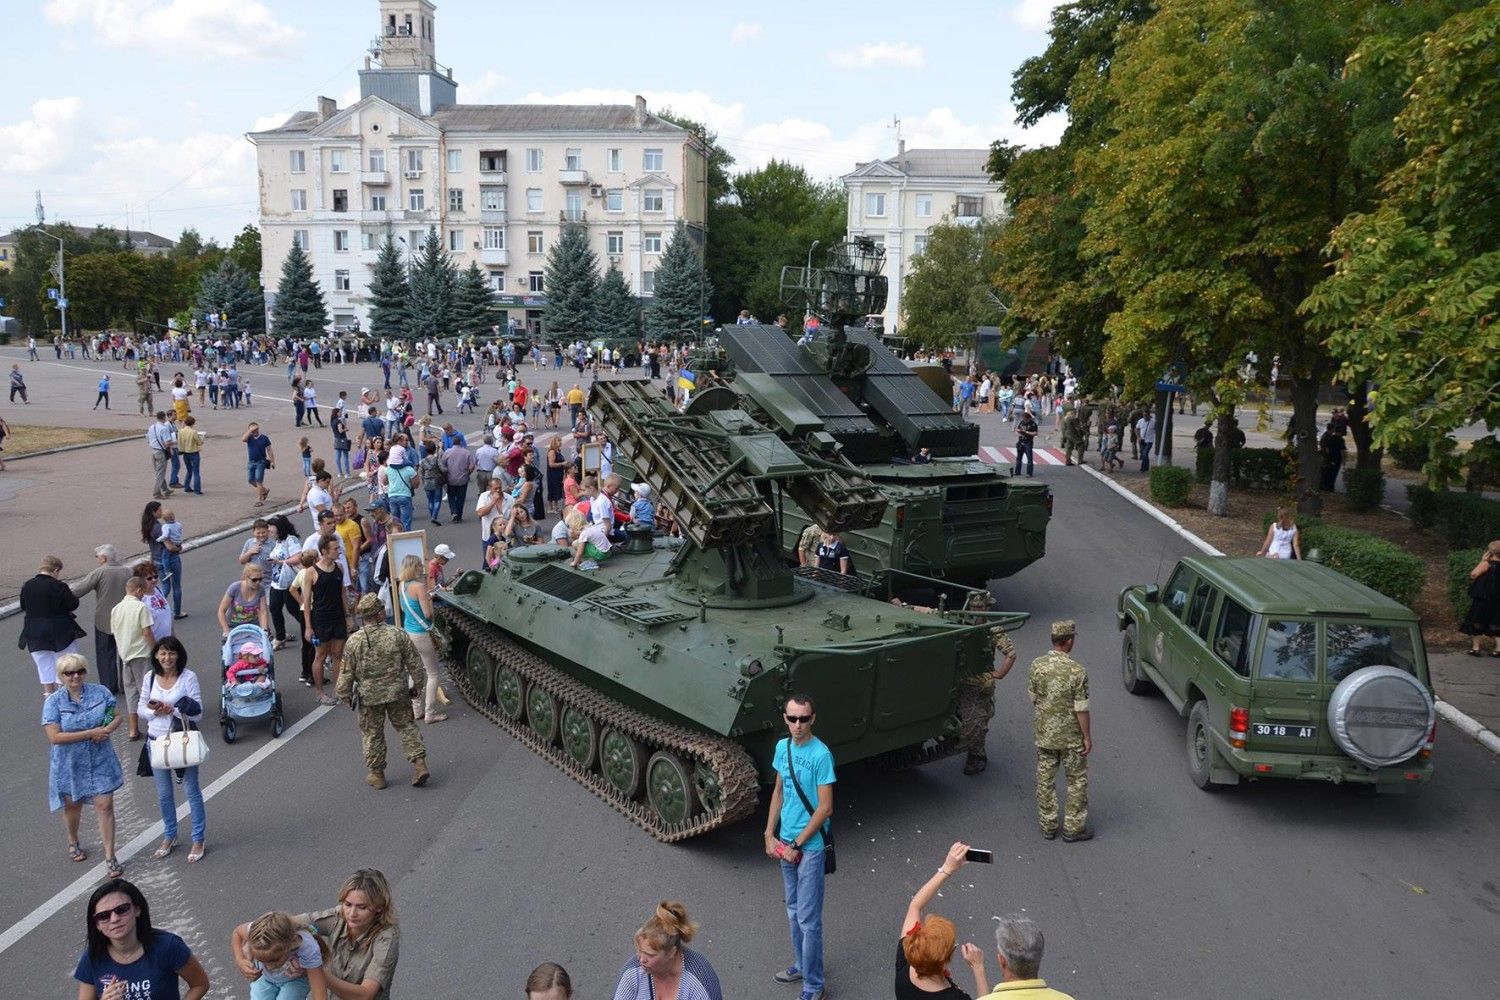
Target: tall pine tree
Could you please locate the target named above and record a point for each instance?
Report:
(682, 289)
(474, 308)
(432, 282)
(300, 310)
(572, 279)
(227, 289)
(616, 313)
(389, 293)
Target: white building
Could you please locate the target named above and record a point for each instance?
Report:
(497, 181)
(897, 201)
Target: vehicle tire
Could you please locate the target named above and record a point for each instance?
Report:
(1200, 748)
(278, 726)
(231, 731)
(670, 788)
(1130, 664)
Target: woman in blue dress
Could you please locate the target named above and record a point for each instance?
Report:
(79, 718)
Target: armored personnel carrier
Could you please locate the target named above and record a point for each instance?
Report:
(657, 681)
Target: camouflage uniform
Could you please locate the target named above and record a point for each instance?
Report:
(383, 661)
(808, 543)
(143, 394)
(1059, 689)
(976, 703)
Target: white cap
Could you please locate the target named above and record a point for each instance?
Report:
(644, 489)
(443, 552)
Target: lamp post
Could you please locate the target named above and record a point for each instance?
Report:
(807, 279)
(62, 280)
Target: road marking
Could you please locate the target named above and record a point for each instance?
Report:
(86, 883)
(1007, 456)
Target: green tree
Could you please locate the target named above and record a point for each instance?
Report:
(474, 308)
(229, 290)
(432, 281)
(616, 311)
(571, 279)
(948, 292)
(389, 293)
(682, 289)
(299, 310)
(245, 251)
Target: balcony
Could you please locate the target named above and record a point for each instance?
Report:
(572, 177)
(367, 257)
(968, 220)
(374, 178)
(572, 215)
(495, 176)
(494, 256)
(492, 216)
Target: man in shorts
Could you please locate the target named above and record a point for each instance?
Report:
(259, 457)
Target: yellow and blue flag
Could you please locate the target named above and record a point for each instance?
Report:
(686, 380)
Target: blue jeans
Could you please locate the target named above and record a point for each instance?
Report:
(434, 503)
(400, 510)
(803, 885)
(176, 482)
(341, 461)
(170, 569)
(192, 479)
(166, 798)
(296, 989)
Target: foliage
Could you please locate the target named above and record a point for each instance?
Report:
(1456, 580)
(430, 300)
(474, 308)
(719, 158)
(300, 310)
(245, 251)
(1170, 484)
(1249, 468)
(1364, 488)
(1464, 519)
(389, 293)
(1366, 559)
(1422, 506)
(1410, 455)
(572, 279)
(229, 290)
(948, 292)
(616, 313)
(682, 288)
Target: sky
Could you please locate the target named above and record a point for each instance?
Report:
(134, 112)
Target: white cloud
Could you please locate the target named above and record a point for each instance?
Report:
(192, 29)
(488, 89)
(44, 139)
(875, 54)
(745, 31)
(1035, 15)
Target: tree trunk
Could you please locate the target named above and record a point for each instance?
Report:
(1304, 439)
(1218, 480)
(1366, 455)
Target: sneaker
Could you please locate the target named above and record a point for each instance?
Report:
(789, 975)
(820, 995)
(588, 564)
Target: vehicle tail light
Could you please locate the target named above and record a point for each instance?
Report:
(1413, 776)
(1431, 742)
(1263, 768)
(1239, 727)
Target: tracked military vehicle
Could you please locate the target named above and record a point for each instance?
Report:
(657, 680)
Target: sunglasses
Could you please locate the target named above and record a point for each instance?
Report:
(103, 916)
(72, 673)
(799, 719)
(255, 579)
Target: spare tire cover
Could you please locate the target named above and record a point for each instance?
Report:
(1381, 715)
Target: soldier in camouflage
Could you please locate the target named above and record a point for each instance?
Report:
(976, 692)
(1060, 696)
(383, 661)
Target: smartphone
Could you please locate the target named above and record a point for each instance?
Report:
(983, 857)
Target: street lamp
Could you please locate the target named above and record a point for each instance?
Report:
(62, 280)
(807, 278)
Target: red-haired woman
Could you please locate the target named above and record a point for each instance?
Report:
(927, 942)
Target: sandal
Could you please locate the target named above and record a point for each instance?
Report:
(165, 849)
(196, 854)
(115, 870)
(76, 852)
(258, 503)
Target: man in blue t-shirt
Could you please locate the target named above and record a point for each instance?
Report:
(259, 457)
(794, 835)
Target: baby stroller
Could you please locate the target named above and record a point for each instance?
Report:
(251, 692)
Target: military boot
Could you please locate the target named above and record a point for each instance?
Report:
(419, 772)
(375, 779)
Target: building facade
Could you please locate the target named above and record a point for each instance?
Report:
(897, 201)
(497, 182)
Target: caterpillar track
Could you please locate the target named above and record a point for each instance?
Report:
(723, 778)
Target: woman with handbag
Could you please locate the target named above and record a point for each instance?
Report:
(171, 705)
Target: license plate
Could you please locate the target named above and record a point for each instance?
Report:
(1282, 730)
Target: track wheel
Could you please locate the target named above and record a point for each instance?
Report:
(623, 763)
(480, 668)
(706, 785)
(542, 713)
(580, 737)
(670, 789)
(510, 692)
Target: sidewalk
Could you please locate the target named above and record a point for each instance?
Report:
(1471, 684)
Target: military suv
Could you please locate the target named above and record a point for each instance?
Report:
(1283, 669)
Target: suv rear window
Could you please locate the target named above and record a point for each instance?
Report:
(1203, 601)
(1290, 652)
(1354, 646)
(1231, 637)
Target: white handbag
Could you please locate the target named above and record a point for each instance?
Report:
(183, 748)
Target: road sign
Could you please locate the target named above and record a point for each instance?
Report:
(62, 303)
(2, 302)
(1170, 387)
(52, 294)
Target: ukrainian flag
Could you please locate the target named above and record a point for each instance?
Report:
(687, 380)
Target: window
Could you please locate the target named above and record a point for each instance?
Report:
(341, 240)
(455, 199)
(875, 204)
(299, 238)
(534, 281)
(298, 161)
(970, 206)
(614, 160)
(651, 200)
(455, 240)
(494, 237)
(414, 161)
(574, 209)
(648, 282)
(377, 203)
(1351, 647)
(377, 160)
(651, 243)
(924, 206)
(533, 199)
(534, 243)
(497, 280)
(533, 161)
(455, 160)
(299, 199)
(1175, 596)
(492, 161)
(340, 281)
(1290, 652)
(414, 240)
(1200, 611)
(340, 199)
(416, 200)
(367, 241)
(492, 199)
(614, 242)
(573, 159)
(652, 160)
(919, 243)
(1231, 638)
(336, 162)
(614, 200)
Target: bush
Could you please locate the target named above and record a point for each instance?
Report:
(1410, 456)
(1369, 560)
(1424, 506)
(1466, 520)
(1459, 565)
(1170, 484)
(1365, 488)
(1259, 468)
(1203, 465)
(1303, 523)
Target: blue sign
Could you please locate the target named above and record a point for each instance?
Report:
(2, 302)
(52, 294)
(62, 303)
(1170, 387)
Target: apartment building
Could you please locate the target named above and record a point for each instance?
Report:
(497, 182)
(897, 201)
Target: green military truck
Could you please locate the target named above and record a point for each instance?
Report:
(1283, 669)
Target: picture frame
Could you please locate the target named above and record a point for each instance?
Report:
(592, 454)
(399, 545)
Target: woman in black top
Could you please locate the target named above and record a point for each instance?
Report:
(1484, 601)
(927, 942)
(323, 615)
(49, 628)
(833, 554)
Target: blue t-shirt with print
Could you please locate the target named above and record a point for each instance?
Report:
(256, 446)
(814, 764)
(153, 976)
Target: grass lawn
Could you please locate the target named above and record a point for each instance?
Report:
(24, 439)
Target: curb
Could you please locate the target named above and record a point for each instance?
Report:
(1470, 727)
(72, 447)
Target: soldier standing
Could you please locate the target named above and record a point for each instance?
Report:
(976, 693)
(1060, 696)
(382, 660)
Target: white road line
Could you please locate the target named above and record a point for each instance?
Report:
(86, 883)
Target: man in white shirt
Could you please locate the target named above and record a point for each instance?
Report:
(319, 497)
(162, 438)
(1145, 429)
(328, 528)
(486, 456)
(602, 508)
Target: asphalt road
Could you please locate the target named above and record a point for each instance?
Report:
(1271, 890)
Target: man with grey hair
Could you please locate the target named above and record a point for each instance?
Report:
(1018, 946)
(107, 584)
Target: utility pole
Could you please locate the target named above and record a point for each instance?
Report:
(62, 275)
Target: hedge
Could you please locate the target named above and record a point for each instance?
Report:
(1249, 468)
(1364, 488)
(1459, 565)
(1170, 484)
(1410, 456)
(1465, 520)
(1369, 560)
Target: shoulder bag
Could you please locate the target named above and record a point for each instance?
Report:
(830, 859)
(184, 747)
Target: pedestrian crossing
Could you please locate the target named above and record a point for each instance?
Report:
(1007, 456)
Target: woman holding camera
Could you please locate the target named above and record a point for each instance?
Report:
(1484, 601)
(927, 942)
